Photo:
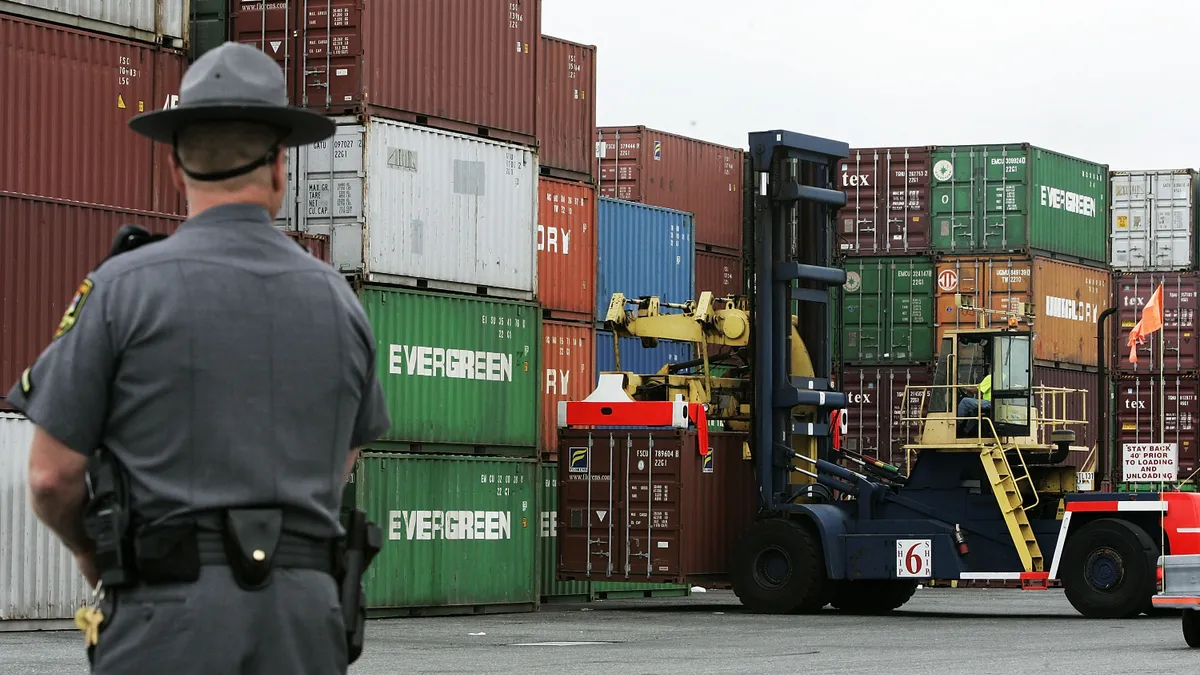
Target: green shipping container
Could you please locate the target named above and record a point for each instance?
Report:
(209, 26)
(888, 311)
(457, 370)
(1019, 198)
(458, 531)
(548, 525)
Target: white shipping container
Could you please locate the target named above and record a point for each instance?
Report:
(414, 206)
(38, 576)
(1153, 220)
(155, 21)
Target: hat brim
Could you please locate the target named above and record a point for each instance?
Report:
(304, 127)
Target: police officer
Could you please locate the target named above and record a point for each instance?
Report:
(232, 375)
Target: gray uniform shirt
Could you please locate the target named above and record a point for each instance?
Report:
(223, 366)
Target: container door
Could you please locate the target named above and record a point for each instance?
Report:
(1131, 234)
(1172, 221)
(651, 538)
(1006, 194)
(588, 502)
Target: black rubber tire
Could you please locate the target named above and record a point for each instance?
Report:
(873, 596)
(779, 568)
(1108, 569)
(1191, 628)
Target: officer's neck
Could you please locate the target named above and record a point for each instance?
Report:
(200, 201)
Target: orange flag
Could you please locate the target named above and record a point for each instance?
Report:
(1152, 320)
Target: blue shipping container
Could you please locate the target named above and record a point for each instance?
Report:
(637, 359)
(644, 250)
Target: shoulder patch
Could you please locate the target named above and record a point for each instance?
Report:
(76, 306)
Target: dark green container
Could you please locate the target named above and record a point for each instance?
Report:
(1019, 198)
(887, 312)
(210, 26)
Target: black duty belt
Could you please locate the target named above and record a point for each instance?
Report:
(292, 551)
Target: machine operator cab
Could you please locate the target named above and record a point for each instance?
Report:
(982, 388)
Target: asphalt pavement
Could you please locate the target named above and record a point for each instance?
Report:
(941, 631)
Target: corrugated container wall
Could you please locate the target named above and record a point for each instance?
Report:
(551, 587)
(458, 64)
(676, 172)
(1079, 405)
(1180, 334)
(635, 358)
(568, 364)
(1067, 300)
(48, 249)
(38, 575)
(468, 524)
(63, 120)
(643, 251)
(415, 206)
(887, 312)
(721, 274)
(567, 109)
(1160, 409)
(1017, 197)
(875, 409)
(316, 244)
(456, 370)
(887, 202)
(154, 21)
(210, 26)
(1154, 220)
(566, 244)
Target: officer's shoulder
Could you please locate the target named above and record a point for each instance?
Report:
(152, 253)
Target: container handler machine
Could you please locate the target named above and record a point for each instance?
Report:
(985, 498)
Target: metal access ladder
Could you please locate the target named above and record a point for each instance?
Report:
(1012, 505)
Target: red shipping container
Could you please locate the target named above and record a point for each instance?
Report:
(49, 247)
(566, 243)
(462, 65)
(1158, 409)
(316, 244)
(700, 506)
(721, 274)
(1181, 343)
(566, 112)
(69, 95)
(887, 201)
(675, 172)
(568, 362)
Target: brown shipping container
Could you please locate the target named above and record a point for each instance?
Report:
(1180, 351)
(566, 243)
(875, 409)
(1077, 406)
(462, 65)
(887, 201)
(316, 244)
(569, 364)
(49, 248)
(69, 95)
(675, 172)
(721, 274)
(1157, 409)
(686, 537)
(566, 112)
(1067, 300)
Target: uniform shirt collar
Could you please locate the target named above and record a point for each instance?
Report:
(226, 215)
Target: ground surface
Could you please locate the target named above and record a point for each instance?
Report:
(941, 631)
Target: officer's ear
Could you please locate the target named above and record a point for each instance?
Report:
(176, 174)
(279, 170)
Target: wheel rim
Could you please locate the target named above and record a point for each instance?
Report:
(1104, 569)
(772, 567)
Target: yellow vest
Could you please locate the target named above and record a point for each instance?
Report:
(985, 388)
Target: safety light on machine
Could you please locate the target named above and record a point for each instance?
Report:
(609, 405)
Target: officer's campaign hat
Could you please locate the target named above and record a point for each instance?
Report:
(234, 82)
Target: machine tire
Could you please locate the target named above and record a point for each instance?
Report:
(779, 568)
(1191, 628)
(1108, 569)
(873, 596)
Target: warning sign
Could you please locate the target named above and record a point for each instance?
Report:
(1151, 462)
(947, 280)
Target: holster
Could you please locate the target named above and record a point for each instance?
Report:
(363, 542)
(107, 520)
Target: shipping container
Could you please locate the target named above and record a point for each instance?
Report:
(887, 310)
(1082, 405)
(676, 172)
(414, 206)
(316, 244)
(635, 358)
(721, 274)
(459, 532)
(566, 244)
(1159, 409)
(38, 575)
(458, 372)
(1018, 198)
(162, 22)
(550, 586)
(210, 26)
(49, 247)
(1176, 347)
(701, 503)
(875, 409)
(64, 120)
(1154, 220)
(1067, 300)
(643, 251)
(569, 366)
(887, 202)
(461, 65)
(566, 115)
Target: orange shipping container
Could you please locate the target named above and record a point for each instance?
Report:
(566, 243)
(1067, 300)
(568, 367)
